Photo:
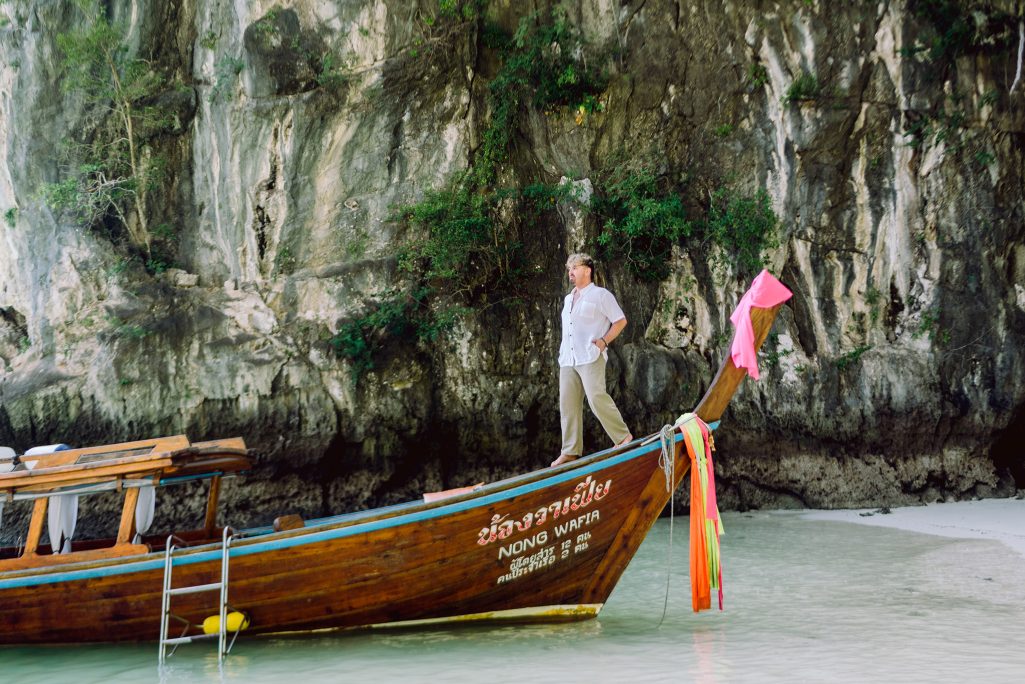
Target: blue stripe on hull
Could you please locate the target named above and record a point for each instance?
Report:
(326, 535)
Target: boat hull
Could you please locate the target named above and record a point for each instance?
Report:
(549, 546)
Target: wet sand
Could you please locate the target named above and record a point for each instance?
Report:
(1000, 520)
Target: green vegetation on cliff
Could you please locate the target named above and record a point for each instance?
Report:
(471, 232)
(641, 218)
(954, 27)
(741, 229)
(475, 238)
(110, 172)
(544, 66)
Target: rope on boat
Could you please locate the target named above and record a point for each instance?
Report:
(666, 460)
(668, 465)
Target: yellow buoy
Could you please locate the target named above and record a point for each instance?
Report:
(235, 622)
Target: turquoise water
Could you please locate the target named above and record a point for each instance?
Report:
(806, 601)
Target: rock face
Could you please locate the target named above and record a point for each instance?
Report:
(894, 375)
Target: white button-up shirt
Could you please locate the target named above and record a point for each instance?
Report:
(584, 321)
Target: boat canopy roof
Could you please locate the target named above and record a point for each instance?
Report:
(161, 461)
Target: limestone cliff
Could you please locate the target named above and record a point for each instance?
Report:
(292, 130)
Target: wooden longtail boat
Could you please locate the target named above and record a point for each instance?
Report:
(546, 546)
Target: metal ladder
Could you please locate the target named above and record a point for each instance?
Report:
(223, 647)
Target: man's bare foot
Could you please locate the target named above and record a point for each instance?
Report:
(629, 438)
(565, 458)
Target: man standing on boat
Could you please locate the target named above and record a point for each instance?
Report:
(591, 320)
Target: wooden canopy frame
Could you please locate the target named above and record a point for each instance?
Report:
(126, 466)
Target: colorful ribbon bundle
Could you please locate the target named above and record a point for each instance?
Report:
(705, 523)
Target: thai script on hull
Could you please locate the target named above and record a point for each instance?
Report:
(584, 494)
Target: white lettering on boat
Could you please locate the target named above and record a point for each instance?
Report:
(577, 523)
(547, 556)
(582, 541)
(524, 565)
(521, 545)
(584, 494)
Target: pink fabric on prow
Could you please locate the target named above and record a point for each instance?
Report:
(765, 291)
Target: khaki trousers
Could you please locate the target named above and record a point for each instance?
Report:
(576, 382)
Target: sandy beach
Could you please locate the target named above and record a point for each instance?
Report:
(1000, 520)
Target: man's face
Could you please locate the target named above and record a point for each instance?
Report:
(578, 274)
